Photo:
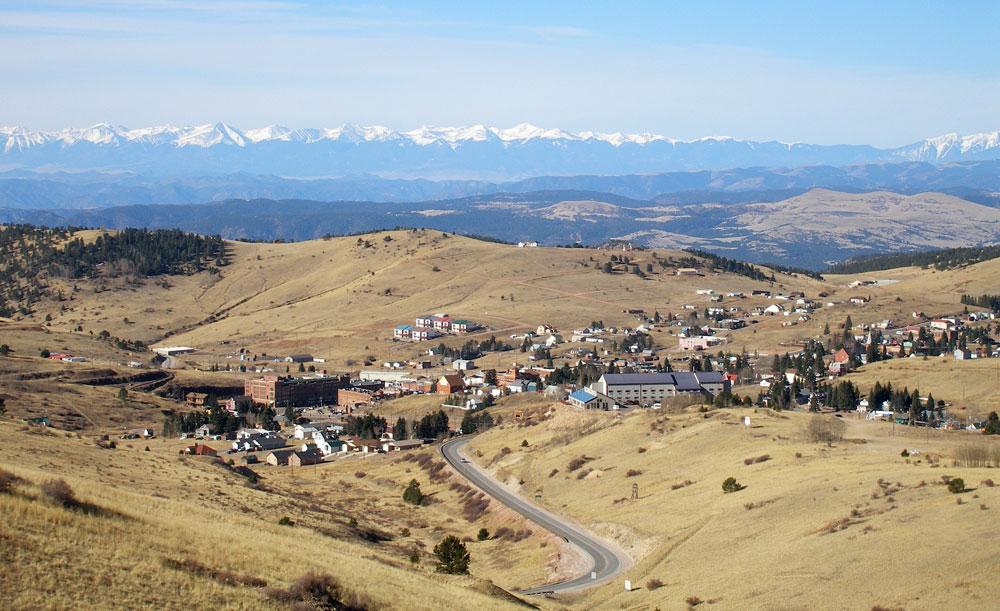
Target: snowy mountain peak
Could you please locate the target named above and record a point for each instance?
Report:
(476, 150)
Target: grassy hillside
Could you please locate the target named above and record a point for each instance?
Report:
(849, 522)
(340, 298)
(149, 528)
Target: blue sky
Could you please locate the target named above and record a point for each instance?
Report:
(885, 73)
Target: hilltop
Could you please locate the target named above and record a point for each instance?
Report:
(810, 229)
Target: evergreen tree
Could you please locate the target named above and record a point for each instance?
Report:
(452, 555)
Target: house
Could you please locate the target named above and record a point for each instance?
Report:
(859, 300)
(420, 334)
(200, 449)
(648, 388)
(279, 457)
(686, 271)
(773, 309)
(591, 399)
(699, 342)
(522, 386)
(403, 332)
(305, 455)
(328, 446)
(195, 400)
(841, 356)
(304, 432)
(259, 443)
(463, 326)
(204, 430)
(402, 444)
(299, 358)
(962, 355)
(463, 364)
(450, 384)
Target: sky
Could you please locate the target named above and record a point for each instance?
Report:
(884, 73)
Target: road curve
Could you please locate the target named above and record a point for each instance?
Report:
(605, 561)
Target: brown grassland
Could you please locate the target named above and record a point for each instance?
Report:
(852, 524)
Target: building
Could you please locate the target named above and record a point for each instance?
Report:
(167, 351)
(299, 358)
(648, 388)
(195, 400)
(305, 455)
(352, 397)
(403, 332)
(394, 445)
(279, 457)
(303, 431)
(463, 365)
(284, 391)
(591, 399)
(450, 384)
(699, 342)
(200, 449)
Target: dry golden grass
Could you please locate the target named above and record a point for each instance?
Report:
(969, 386)
(808, 528)
(340, 300)
(153, 507)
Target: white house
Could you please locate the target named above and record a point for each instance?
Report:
(304, 432)
(463, 365)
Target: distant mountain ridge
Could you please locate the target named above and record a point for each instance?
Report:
(794, 232)
(476, 151)
(977, 181)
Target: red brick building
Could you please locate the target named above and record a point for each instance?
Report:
(282, 391)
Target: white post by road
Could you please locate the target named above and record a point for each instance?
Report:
(628, 585)
(593, 574)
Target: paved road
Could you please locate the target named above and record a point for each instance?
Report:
(605, 561)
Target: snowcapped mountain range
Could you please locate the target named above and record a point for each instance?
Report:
(476, 151)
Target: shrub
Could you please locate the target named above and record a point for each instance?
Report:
(824, 429)
(360, 474)
(286, 521)
(7, 481)
(987, 482)
(317, 591)
(905, 453)
(524, 443)
(757, 459)
(654, 584)
(956, 485)
(59, 492)
(414, 556)
(731, 485)
(693, 601)
(976, 455)
(483, 534)
(452, 555)
(633, 473)
(412, 494)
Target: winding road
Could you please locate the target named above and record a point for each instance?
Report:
(605, 561)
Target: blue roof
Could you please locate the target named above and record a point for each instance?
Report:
(404, 327)
(584, 395)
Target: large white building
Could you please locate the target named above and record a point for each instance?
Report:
(648, 388)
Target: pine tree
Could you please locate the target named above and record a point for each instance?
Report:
(452, 555)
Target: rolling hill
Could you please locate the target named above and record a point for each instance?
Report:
(808, 230)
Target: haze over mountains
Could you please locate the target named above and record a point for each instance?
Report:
(477, 151)
(798, 204)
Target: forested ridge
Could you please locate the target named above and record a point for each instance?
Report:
(31, 257)
(948, 258)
